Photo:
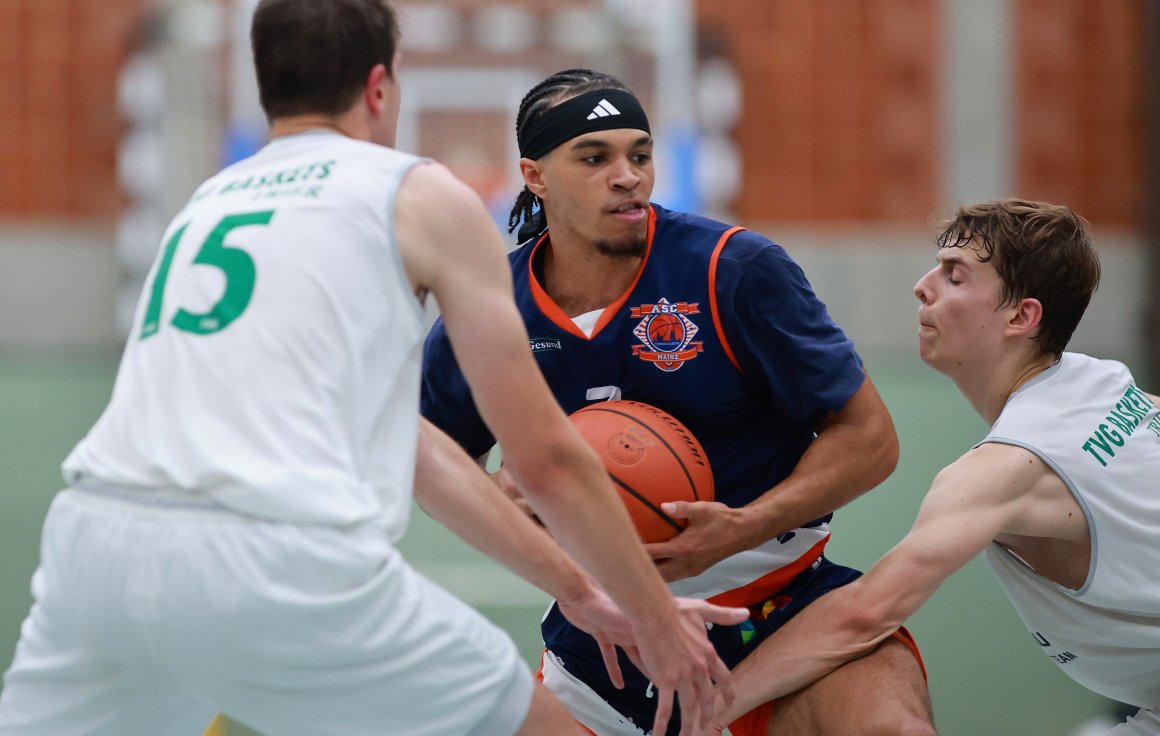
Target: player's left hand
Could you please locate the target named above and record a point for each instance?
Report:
(595, 613)
(715, 531)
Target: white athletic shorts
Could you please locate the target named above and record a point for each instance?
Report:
(583, 703)
(153, 611)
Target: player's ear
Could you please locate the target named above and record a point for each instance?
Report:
(374, 94)
(1025, 317)
(533, 176)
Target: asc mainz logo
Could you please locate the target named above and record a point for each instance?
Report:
(667, 334)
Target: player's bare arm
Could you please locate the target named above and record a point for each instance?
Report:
(543, 453)
(456, 252)
(856, 449)
(453, 490)
(991, 491)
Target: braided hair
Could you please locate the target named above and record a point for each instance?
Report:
(561, 86)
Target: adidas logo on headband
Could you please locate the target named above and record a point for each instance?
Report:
(572, 118)
(602, 110)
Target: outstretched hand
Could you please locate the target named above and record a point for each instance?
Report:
(680, 661)
(596, 614)
(715, 531)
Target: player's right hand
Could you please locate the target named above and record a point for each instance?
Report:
(680, 661)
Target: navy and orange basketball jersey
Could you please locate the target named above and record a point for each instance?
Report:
(722, 330)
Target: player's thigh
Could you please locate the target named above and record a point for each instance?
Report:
(548, 716)
(331, 631)
(884, 692)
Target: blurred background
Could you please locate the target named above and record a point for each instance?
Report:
(841, 129)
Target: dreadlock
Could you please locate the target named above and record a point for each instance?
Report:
(544, 96)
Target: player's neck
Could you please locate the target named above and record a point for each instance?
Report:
(581, 279)
(989, 387)
(346, 125)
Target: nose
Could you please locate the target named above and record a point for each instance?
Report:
(922, 288)
(624, 175)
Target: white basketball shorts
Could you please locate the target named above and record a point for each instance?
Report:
(155, 610)
(583, 703)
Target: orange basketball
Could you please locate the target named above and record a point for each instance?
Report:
(651, 457)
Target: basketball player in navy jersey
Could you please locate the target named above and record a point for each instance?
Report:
(719, 327)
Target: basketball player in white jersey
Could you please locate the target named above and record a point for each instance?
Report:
(227, 542)
(1060, 497)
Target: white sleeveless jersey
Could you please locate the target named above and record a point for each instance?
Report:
(273, 364)
(1089, 422)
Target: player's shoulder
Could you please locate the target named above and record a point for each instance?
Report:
(743, 244)
(432, 202)
(1093, 367)
(701, 233)
(995, 471)
(432, 183)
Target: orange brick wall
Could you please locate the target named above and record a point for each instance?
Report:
(58, 119)
(1079, 106)
(840, 116)
(840, 122)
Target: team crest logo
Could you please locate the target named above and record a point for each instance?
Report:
(667, 334)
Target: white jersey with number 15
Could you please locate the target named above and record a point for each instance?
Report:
(273, 363)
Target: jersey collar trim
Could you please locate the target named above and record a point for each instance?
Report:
(553, 312)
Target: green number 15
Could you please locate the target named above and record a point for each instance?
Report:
(234, 263)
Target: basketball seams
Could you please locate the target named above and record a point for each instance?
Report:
(646, 503)
(662, 440)
(690, 442)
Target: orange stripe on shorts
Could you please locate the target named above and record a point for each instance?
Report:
(756, 721)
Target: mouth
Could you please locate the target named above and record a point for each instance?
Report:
(631, 210)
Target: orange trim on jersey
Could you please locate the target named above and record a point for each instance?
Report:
(765, 586)
(544, 302)
(553, 312)
(713, 294)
